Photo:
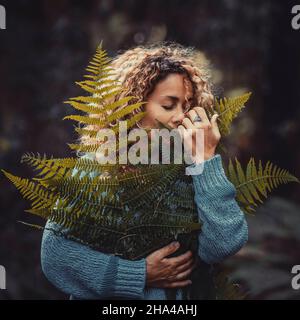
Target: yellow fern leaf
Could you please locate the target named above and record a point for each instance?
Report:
(228, 109)
(254, 184)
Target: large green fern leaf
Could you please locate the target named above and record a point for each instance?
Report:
(252, 184)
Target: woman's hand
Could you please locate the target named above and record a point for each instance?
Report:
(169, 272)
(212, 134)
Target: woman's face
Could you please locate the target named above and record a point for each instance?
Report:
(167, 103)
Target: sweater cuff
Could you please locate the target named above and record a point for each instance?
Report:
(212, 176)
(131, 278)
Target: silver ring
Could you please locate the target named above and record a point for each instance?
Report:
(197, 119)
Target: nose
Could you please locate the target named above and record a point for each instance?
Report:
(178, 117)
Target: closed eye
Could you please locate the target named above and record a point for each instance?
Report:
(168, 107)
(187, 107)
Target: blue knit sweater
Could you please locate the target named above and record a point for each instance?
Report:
(84, 273)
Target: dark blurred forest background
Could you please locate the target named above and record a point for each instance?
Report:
(251, 46)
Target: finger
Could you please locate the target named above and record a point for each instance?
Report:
(187, 123)
(202, 114)
(178, 284)
(182, 131)
(183, 275)
(181, 259)
(185, 266)
(214, 124)
(192, 115)
(167, 250)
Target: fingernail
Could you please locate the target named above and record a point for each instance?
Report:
(175, 243)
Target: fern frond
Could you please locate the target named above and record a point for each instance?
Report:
(125, 111)
(93, 133)
(36, 226)
(97, 98)
(172, 229)
(254, 184)
(48, 167)
(87, 99)
(130, 213)
(131, 122)
(118, 103)
(39, 196)
(88, 108)
(95, 84)
(228, 109)
(151, 184)
(98, 89)
(84, 148)
(99, 77)
(75, 185)
(62, 167)
(86, 132)
(96, 109)
(86, 120)
(42, 212)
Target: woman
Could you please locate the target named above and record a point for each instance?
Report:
(177, 92)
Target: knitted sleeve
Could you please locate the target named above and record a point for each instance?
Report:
(224, 230)
(85, 273)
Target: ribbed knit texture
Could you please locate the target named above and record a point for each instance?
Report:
(84, 273)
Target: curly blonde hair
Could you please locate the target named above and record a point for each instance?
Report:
(139, 69)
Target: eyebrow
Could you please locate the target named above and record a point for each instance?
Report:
(175, 98)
